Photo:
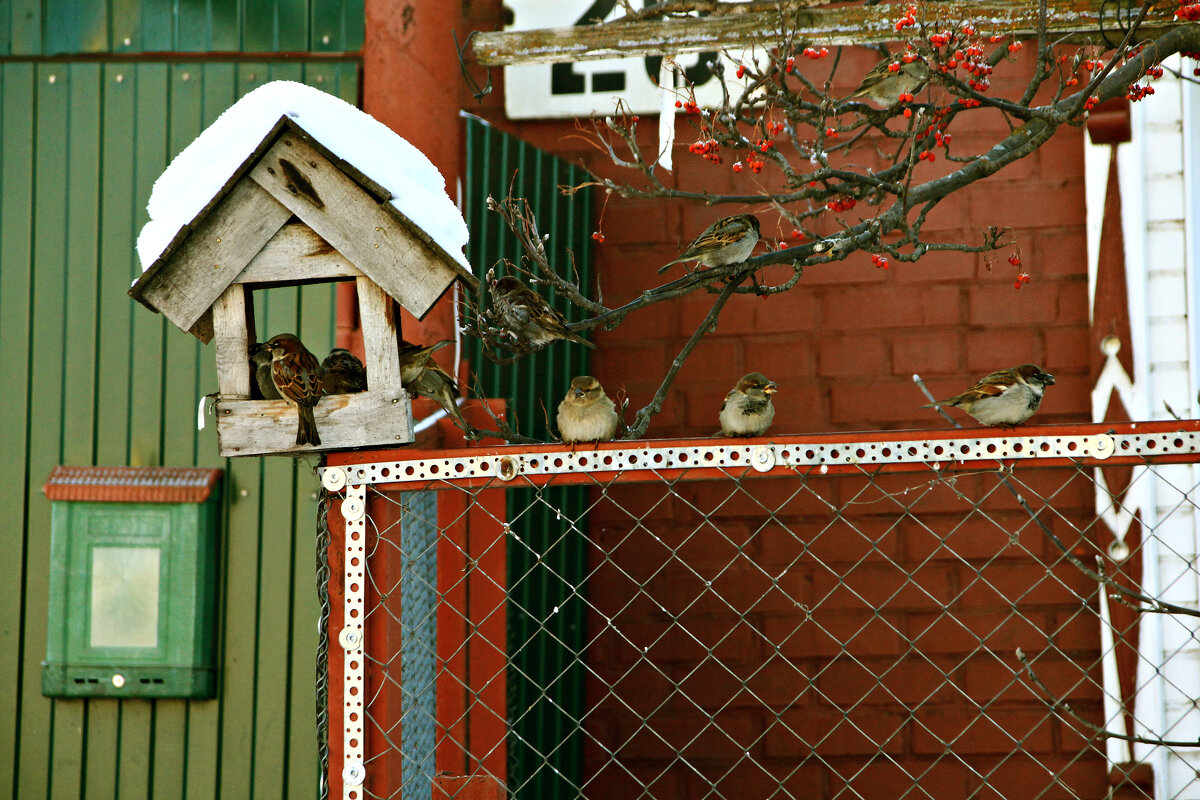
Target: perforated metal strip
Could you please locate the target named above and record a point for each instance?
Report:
(765, 457)
(353, 508)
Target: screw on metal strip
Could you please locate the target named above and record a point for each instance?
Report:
(1102, 446)
(353, 509)
(762, 458)
(350, 638)
(507, 468)
(333, 478)
(354, 774)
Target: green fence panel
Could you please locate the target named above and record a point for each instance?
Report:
(94, 378)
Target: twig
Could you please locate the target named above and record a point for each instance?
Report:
(1061, 707)
(641, 420)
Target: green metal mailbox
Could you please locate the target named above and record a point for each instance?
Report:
(133, 582)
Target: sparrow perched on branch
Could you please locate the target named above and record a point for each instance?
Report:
(260, 365)
(729, 240)
(1005, 398)
(414, 357)
(343, 373)
(884, 85)
(528, 316)
(422, 376)
(747, 410)
(586, 414)
(297, 375)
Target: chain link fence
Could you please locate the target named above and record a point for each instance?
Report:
(878, 619)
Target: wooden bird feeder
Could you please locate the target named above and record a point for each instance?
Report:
(295, 213)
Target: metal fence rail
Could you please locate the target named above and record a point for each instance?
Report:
(810, 617)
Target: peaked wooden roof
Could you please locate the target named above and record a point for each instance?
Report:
(291, 174)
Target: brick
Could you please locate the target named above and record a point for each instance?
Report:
(992, 305)
(893, 306)
(962, 632)
(912, 680)
(875, 586)
(836, 542)
(1004, 680)
(938, 266)
(1048, 777)
(901, 779)
(634, 220)
(970, 731)
(690, 734)
(927, 353)
(998, 348)
(858, 634)
(829, 733)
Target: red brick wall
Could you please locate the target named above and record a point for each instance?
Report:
(842, 346)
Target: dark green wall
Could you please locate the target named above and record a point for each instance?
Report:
(88, 376)
(70, 27)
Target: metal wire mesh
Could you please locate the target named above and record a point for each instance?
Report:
(974, 632)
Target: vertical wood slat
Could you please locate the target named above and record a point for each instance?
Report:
(231, 342)
(16, 293)
(46, 411)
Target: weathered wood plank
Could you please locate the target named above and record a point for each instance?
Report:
(231, 326)
(352, 221)
(218, 249)
(297, 253)
(268, 427)
(750, 25)
(381, 348)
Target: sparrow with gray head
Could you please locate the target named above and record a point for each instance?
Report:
(729, 240)
(586, 414)
(414, 357)
(1005, 398)
(262, 385)
(343, 373)
(528, 316)
(747, 410)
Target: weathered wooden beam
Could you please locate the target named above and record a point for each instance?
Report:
(747, 25)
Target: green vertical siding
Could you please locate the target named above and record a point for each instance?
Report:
(547, 567)
(91, 377)
(62, 27)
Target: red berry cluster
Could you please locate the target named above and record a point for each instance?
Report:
(1194, 57)
(797, 235)
(1022, 279)
(689, 106)
(764, 145)
(843, 204)
(1014, 47)
(1091, 103)
(908, 20)
(1188, 10)
(741, 70)
(598, 236)
(1155, 72)
(814, 53)
(1137, 92)
(879, 261)
(753, 162)
(927, 155)
(775, 127)
(707, 148)
(831, 133)
(790, 64)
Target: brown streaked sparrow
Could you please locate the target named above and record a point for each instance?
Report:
(414, 357)
(528, 316)
(435, 383)
(342, 373)
(883, 86)
(297, 375)
(586, 414)
(747, 410)
(1005, 398)
(262, 386)
(729, 240)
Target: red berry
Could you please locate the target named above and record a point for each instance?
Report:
(741, 70)
(1015, 260)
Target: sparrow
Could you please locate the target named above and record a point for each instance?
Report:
(1005, 398)
(528, 316)
(747, 410)
(414, 357)
(342, 373)
(729, 240)
(884, 86)
(421, 375)
(586, 414)
(297, 375)
(262, 387)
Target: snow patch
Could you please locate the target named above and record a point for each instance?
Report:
(198, 173)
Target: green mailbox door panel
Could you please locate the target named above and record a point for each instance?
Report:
(132, 603)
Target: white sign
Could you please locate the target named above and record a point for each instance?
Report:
(583, 88)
